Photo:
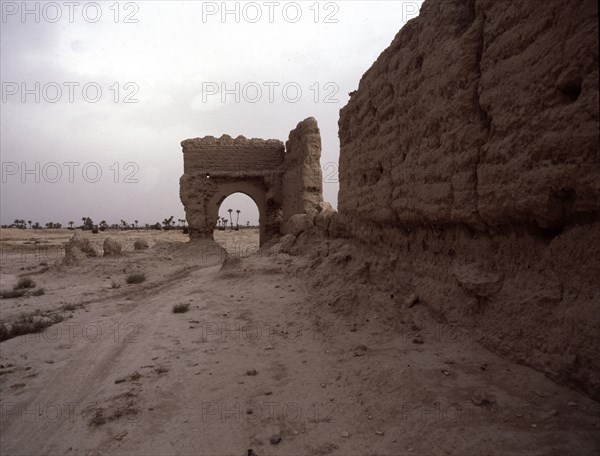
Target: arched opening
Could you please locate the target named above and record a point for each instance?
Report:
(237, 227)
(255, 189)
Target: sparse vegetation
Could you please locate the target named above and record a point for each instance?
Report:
(88, 224)
(25, 282)
(9, 294)
(135, 376)
(129, 409)
(4, 332)
(181, 308)
(100, 415)
(137, 277)
(39, 292)
(98, 418)
(114, 285)
(169, 223)
(27, 324)
(69, 307)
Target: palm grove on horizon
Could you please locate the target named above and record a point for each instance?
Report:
(167, 224)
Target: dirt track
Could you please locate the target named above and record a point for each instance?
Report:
(128, 376)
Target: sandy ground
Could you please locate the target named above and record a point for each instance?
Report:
(256, 363)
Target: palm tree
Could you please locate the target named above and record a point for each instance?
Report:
(88, 223)
(248, 223)
(224, 222)
(136, 223)
(237, 221)
(71, 223)
(20, 223)
(167, 222)
(29, 221)
(230, 219)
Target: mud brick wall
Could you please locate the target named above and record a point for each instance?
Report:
(469, 153)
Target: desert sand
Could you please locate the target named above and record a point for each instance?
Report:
(257, 362)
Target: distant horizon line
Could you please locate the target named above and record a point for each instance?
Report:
(78, 225)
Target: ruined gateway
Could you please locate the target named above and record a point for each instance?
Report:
(285, 182)
(469, 176)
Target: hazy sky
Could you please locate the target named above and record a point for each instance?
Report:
(97, 96)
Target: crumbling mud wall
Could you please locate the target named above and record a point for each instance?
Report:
(470, 157)
(302, 178)
(281, 183)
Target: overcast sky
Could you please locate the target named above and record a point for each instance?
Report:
(122, 84)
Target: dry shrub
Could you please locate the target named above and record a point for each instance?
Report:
(181, 308)
(137, 277)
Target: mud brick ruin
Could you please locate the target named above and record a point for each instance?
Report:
(283, 181)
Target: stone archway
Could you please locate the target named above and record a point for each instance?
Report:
(282, 180)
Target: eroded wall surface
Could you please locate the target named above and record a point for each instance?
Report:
(302, 178)
(470, 156)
